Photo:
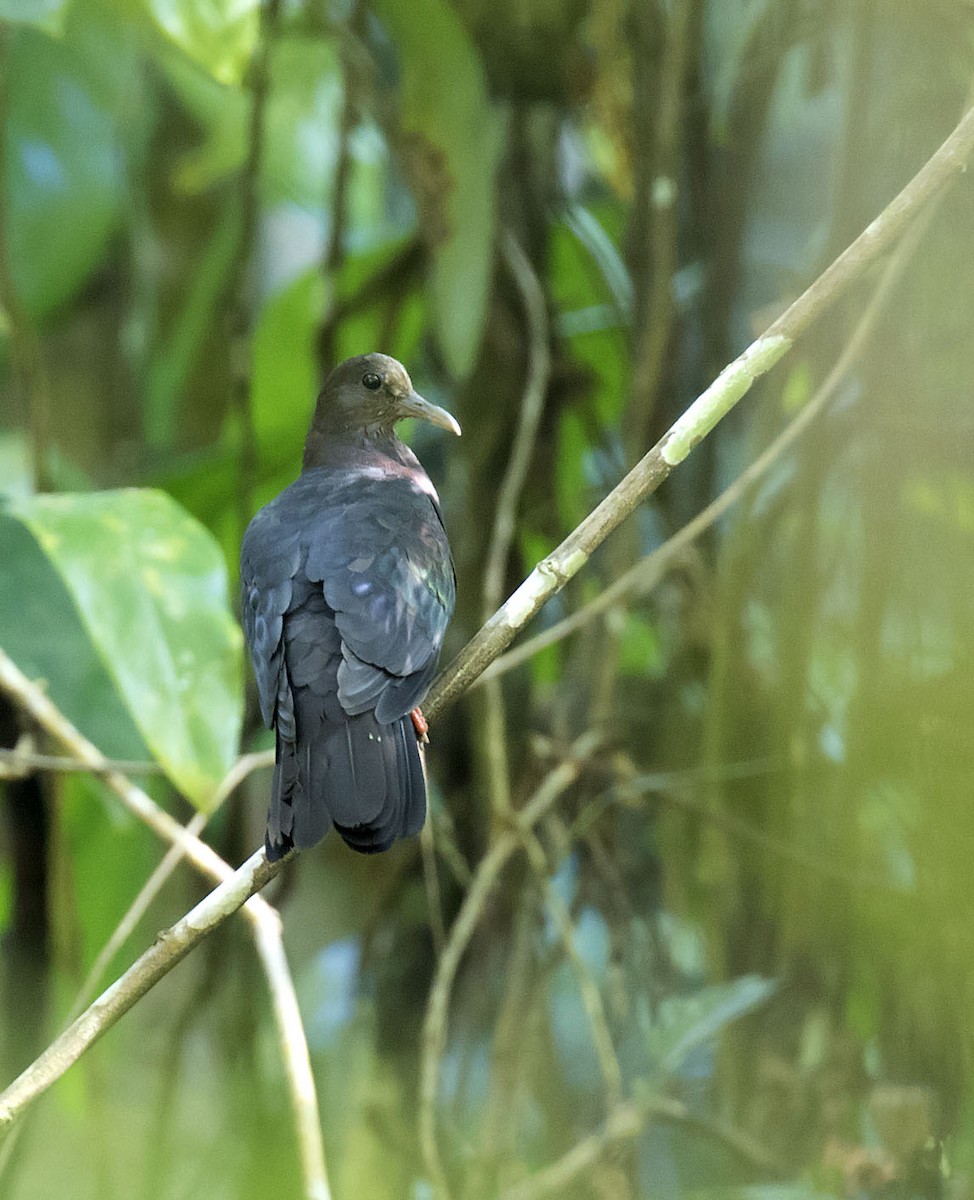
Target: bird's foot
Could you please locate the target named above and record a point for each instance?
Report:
(421, 726)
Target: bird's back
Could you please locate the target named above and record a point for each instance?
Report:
(347, 591)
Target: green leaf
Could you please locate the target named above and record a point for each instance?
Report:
(46, 639)
(453, 136)
(687, 1022)
(220, 35)
(150, 586)
(64, 163)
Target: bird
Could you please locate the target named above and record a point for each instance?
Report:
(348, 586)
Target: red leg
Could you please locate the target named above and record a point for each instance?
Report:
(420, 725)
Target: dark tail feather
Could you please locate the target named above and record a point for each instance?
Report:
(365, 777)
(383, 795)
(297, 815)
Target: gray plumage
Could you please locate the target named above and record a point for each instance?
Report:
(348, 588)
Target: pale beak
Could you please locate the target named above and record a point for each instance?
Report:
(413, 405)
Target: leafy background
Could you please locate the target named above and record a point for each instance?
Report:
(766, 865)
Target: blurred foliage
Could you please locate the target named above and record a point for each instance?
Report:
(765, 866)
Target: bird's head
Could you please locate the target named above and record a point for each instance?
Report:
(368, 394)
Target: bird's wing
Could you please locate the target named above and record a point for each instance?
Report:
(381, 554)
(270, 558)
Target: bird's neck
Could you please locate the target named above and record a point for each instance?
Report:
(335, 447)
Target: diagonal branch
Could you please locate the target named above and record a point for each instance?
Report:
(485, 879)
(265, 922)
(548, 577)
(733, 383)
(493, 731)
(643, 576)
(169, 948)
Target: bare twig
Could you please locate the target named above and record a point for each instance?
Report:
(431, 879)
(508, 1057)
(243, 767)
(733, 383)
(264, 920)
(492, 724)
(19, 763)
(485, 878)
(532, 404)
(295, 1055)
(637, 788)
(645, 574)
(587, 986)
(34, 702)
(547, 578)
(134, 914)
(626, 1122)
(334, 252)
(169, 948)
(623, 1124)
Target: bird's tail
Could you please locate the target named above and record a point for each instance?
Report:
(363, 777)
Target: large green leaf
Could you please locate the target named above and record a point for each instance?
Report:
(150, 586)
(41, 631)
(64, 161)
(453, 140)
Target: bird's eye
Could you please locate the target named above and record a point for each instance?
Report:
(372, 382)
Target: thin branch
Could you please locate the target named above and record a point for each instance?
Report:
(733, 383)
(18, 764)
(169, 948)
(134, 914)
(587, 986)
(510, 1049)
(334, 251)
(532, 405)
(625, 1123)
(637, 789)
(492, 725)
(431, 880)
(295, 1055)
(395, 274)
(35, 703)
(643, 576)
(485, 878)
(264, 920)
(244, 766)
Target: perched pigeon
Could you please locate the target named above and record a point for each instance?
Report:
(348, 588)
